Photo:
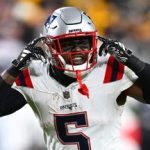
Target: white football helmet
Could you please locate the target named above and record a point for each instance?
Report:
(71, 38)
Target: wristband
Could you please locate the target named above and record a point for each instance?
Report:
(13, 71)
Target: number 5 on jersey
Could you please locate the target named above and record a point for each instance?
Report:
(79, 120)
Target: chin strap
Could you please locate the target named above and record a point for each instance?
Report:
(82, 87)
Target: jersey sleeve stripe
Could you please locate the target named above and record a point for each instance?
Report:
(120, 72)
(108, 70)
(27, 78)
(24, 79)
(114, 70)
(115, 67)
(18, 81)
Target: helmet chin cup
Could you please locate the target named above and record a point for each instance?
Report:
(73, 74)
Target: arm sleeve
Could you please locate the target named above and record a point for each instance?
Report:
(129, 79)
(142, 70)
(144, 78)
(10, 99)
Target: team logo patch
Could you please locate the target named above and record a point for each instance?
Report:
(48, 22)
(66, 94)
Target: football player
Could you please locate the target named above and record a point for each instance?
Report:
(76, 82)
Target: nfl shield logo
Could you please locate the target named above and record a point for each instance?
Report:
(66, 94)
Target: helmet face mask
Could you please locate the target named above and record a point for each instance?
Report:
(74, 50)
(72, 44)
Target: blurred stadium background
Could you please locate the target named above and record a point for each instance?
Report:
(22, 20)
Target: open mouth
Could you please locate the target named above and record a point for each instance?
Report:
(78, 59)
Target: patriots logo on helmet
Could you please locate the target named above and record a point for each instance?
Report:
(49, 20)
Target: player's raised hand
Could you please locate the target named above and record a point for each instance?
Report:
(31, 51)
(115, 48)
